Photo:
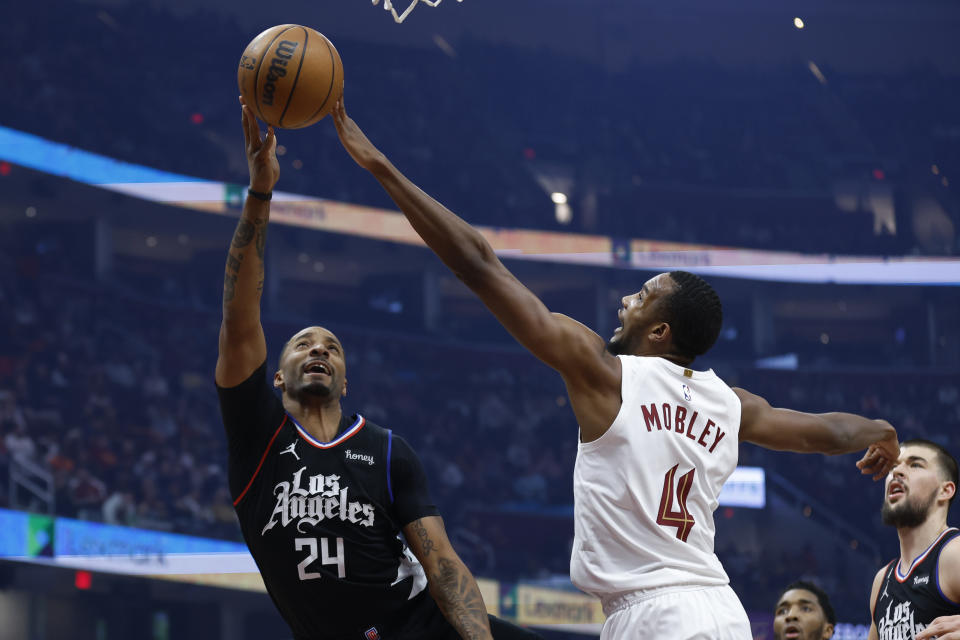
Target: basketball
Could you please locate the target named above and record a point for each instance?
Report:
(290, 76)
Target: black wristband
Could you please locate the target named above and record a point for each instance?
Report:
(259, 195)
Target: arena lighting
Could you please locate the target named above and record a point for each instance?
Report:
(558, 198)
(319, 214)
(815, 70)
(798, 23)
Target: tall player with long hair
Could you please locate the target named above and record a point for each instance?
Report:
(657, 438)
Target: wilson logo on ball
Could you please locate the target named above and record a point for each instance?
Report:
(290, 76)
(278, 69)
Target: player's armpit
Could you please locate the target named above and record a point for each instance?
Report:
(451, 584)
(560, 342)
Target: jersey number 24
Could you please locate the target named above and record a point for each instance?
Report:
(325, 558)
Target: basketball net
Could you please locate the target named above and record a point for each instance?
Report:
(400, 17)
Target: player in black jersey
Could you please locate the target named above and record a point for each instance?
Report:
(917, 596)
(322, 496)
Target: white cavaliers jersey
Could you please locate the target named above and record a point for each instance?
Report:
(645, 491)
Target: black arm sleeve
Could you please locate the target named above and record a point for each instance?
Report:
(408, 483)
(252, 412)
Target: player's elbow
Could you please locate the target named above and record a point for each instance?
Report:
(479, 268)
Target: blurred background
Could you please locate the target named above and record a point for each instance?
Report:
(803, 156)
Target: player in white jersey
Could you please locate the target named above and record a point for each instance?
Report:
(657, 439)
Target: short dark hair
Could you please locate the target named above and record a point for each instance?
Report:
(694, 314)
(822, 598)
(946, 461)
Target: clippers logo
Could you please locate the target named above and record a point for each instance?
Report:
(278, 69)
(371, 634)
(686, 393)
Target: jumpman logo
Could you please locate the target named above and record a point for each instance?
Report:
(884, 594)
(291, 449)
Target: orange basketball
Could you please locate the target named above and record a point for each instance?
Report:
(290, 76)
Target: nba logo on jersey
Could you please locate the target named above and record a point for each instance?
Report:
(371, 634)
(686, 393)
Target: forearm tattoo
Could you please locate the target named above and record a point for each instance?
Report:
(247, 231)
(244, 233)
(458, 596)
(425, 542)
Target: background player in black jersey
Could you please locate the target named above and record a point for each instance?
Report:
(803, 612)
(922, 585)
(322, 496)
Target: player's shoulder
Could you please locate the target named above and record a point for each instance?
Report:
(882, 573)
(373, 431)
(371, 427)
(951, 546)
(877, 581)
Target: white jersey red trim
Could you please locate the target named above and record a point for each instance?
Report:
(645, 491)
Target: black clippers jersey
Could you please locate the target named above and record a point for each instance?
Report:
(322, 519)
(908, 602)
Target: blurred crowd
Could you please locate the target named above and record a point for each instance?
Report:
(113, 395)
(108, 388)
(687, 151)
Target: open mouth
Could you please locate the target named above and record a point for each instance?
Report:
(317, 367)
(791, 632)
(896, 490)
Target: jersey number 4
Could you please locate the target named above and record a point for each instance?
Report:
(681, 518)
(311, 545)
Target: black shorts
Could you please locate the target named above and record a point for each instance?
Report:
(426, 622)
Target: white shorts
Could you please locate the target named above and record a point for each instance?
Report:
(677, 613)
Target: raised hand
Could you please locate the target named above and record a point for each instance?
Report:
(942, 628)
(881, 457)
(261, 153)
(354, 140)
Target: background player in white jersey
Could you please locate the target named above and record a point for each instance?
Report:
(917, 596)
(657, 439)
(803, 612)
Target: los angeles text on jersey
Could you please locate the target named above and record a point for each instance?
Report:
(681, 421)
(323, 498)
(898, 623)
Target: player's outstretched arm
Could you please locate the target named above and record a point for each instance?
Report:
(948, 574)
(452, 585)
(243, 347)
(592, 375)
(830, 433)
